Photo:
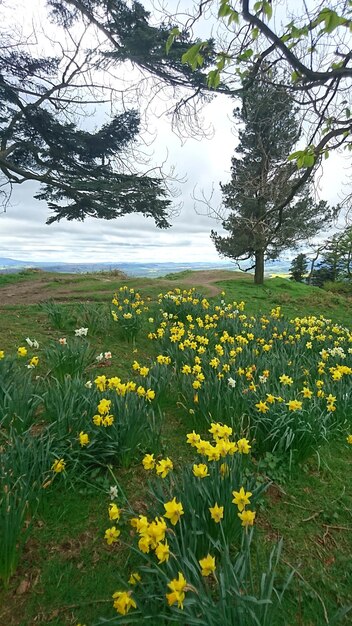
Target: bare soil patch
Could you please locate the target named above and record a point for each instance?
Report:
(40, 290)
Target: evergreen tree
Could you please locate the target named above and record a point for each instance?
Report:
(259, 226)
(43, 136)
(335, 260)
(298, 268)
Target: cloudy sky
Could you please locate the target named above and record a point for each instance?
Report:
(201, 164)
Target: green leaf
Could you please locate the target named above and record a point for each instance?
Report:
(258, 6)
(255, 33)
(268, 10)
(245, 55)
(331, 20)
(171, 38)
(213, 79)
(193, 57)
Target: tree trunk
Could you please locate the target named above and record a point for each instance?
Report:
(259, 268)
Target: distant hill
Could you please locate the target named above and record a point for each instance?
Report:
(131, 269)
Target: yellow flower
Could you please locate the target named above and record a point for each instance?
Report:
(114, 512)
(150, 394)
(144, 371)
(22, 351)
(349, 439)
(134, 578)
(262, 407)
(104, 406)
(58, 466)
(83, 439)
(2, 354)
(162, 552)
(164, 466)
(241, 498)
(149, 462)
(34, 361)
(243, 446)
(111, 535)
(193, 439)
(177, 586)
(208, 565)
(307, 393)
(200, 470)
(97, 420)
(285, 380)
(224, 469)
(108, 420)
(217, 513)
(123, 602)
(294, 405)
(100, 382)
(247, 517)
(174, 510)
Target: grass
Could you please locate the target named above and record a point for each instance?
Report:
(67, 574)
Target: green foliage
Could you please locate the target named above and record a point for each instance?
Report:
(69, 359)
(259, 220)
(24, 461)
(60, 317)
(19, 399)
(298, 268)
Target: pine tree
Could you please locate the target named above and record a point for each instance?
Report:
(261, 177)
(44, 138)
(298, 268)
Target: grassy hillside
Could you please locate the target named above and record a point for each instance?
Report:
(67, 572)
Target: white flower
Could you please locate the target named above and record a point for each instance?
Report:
(113, 492)
(99, 357)
(107, 355)
(81, 332)
(151, 320)
(263, 379)
(88, 384)
(63, 341)
(32, 344)
(231, 382)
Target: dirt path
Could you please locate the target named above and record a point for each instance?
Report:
(40, 290)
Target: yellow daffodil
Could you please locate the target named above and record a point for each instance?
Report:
(114, 512)
(83, 438)
(164, 466)
(247, 517)
(149, 462)
(58, 466)
(241, 498)
(217, 513)
(174, 510)
(134, 578)
(162, 552)
(177, 586)
(111, 535)
(208, 565)
(200, 470)
(123, 602)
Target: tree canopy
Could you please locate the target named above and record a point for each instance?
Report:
(44, 102)
(216, 45)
